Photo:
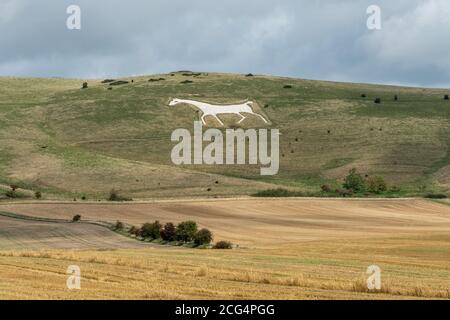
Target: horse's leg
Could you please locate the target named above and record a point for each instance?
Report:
(242, 117)
(203, 119)
(220, 121)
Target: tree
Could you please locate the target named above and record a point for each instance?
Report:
(186, 231)
(354, 181)
(204, 236)
(376, 184)
(38, 195)
(168, 232)
(115, 196)
(151, 230)
(134, 231)
(119, 225)
(76, 218)
(223, 245)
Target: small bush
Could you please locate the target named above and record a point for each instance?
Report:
(354, 181)
(376, 184)
(38, 195)
(168, 232)
(446, 97)
(394, 189)
(76, 218)
(134, 231)
(85, 85)
(119, 226)
(14, 187)
(108, 80)
(186, 231)
(249, 75)
(345, 192)
(115, 196)
(287, 86)
(151, 230)
(204, 236)
(326, 188)
(363, 95)
(377, 100)
(223, 245)
(11, 194)
(436, 196)
(187, 81)
(396, 97)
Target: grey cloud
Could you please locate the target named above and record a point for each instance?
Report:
(300, 38)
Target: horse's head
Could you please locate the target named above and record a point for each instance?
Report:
(174, 102)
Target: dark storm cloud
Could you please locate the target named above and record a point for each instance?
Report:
(301, 38)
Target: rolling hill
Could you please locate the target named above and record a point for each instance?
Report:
(68, 142)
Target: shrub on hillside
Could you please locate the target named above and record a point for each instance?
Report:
(115, 196)
(202, 237)
(363, 95)
(119, 226)
(278, 193)
(436, 196)
(151, 230)
(186, 231)
(168, 232)
(376, 184)
(377, 100)
(287, 86)
(38, 195)
(446, 97)
(76, 218)
(326, 188)
(134, 231)
(354, 181)
(223, 245)
(85, 85)
(344, 192)
(11, 194)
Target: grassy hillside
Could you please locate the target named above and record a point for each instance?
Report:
(67, 142)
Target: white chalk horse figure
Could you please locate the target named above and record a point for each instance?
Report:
(215, 110)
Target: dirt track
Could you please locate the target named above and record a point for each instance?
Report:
(267, 222)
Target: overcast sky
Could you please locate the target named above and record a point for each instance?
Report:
(314, 39)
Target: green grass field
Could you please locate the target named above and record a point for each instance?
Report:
(68, 143)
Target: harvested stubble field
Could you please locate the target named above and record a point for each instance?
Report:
(290, 249)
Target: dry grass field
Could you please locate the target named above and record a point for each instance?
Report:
(290, 249)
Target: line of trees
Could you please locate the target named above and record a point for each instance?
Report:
(186, 232)
(355, 183)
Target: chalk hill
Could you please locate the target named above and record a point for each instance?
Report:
(70, 142)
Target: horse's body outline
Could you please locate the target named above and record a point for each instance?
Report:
(215, 110)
